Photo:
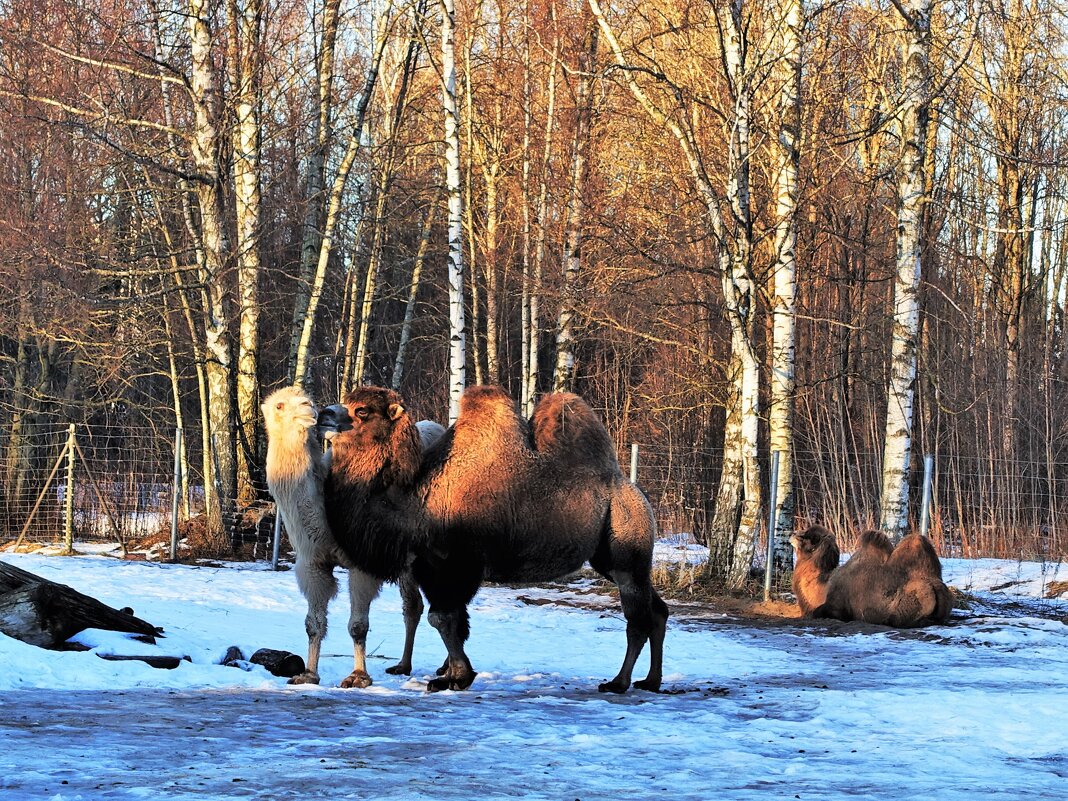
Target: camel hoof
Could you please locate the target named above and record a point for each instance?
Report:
(356, 680)
(450, 683)
(304, 678)
(613, 686)
(648, 684)
(441, 671)
(400, 669)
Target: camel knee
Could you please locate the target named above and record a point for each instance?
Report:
(315, 624)
(358, 628)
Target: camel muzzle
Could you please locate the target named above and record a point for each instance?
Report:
(333, 420)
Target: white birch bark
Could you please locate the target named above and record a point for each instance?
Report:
(454, 189)
(246, 24)
(337, 193)
(205, 147)
(526, 392)
(786, 148)
(541, 220)
(906, 312)
(563, 377)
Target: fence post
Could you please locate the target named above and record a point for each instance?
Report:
(925, 506)
(634, 463)
(773, 501)
(276, 542)
(68, 517)
(177, 492)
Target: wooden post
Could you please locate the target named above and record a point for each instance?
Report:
(68, 516)
(177, 492)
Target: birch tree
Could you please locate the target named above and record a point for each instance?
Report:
(453, 189)
(572, 259)
(206, 147)
(246, 23)
(897, 448)
(787, 157)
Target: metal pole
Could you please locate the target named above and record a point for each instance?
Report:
(928, 481)
(177, 493)
(773, 501)
(277, 542)
(68, 521)
(634, 463)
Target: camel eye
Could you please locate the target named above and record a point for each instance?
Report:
(362, 414)
(280, 405)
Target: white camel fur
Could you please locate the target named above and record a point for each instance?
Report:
(296, 470)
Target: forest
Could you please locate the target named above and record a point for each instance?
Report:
(828, 229)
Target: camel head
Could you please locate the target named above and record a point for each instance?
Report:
(290, 412)
(816, 544)
(381, 437)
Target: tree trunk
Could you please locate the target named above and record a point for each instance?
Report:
(784, 300)
(413, 292)
(206, 150)
(564, 376)
(910, 202)
(454, 189)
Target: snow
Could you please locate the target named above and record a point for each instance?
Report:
(753, 709)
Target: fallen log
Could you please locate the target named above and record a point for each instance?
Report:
(279, 663)
(160, 662)
(45, 613)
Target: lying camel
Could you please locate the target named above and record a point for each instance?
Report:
(900, 587)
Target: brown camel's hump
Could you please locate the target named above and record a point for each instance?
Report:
(565, 426)
(488, 420)
(875, 544)
(916, 554)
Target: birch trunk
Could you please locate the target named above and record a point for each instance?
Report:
(337, 192)
(910, 202)
(526, 392)
(564, 375)
(316, 178)
(247, 207)
(454, 189)
(206, 146)
(538, 267)
(784, 274)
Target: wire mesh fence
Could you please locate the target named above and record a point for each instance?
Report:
(121, 487)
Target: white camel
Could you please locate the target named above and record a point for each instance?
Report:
(296, 470)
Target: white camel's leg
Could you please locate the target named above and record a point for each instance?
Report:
(412, 603)
(318, 586)
(362, 590)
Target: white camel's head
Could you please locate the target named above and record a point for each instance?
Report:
(289, 410)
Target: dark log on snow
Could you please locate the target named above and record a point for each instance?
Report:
(279, 663)
(161, 662)
(44, 613)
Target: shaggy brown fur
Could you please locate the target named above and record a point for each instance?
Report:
(900, 587)
(296, 472)
(817, 556)
(497, 498)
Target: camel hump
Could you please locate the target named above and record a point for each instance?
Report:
(564, 425)
(915, 553)
(488, 419)
(875, 543)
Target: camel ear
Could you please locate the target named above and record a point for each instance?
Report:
(395, 410)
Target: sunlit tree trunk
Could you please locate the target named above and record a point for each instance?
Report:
(906, 313)
(783, 299)
(206, 147)
(572, 260)
(246, 24)
(454, 189)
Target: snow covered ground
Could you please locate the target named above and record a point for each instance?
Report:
(753, 709)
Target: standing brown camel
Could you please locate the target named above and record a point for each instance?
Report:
(900, 587)
(497, 499)
(296, 471)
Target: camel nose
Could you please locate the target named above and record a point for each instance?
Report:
(333, 420)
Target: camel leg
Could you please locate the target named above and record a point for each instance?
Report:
(362, 590)
(318, 586)
(453, 626)
(412, 603)
(645, 620)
